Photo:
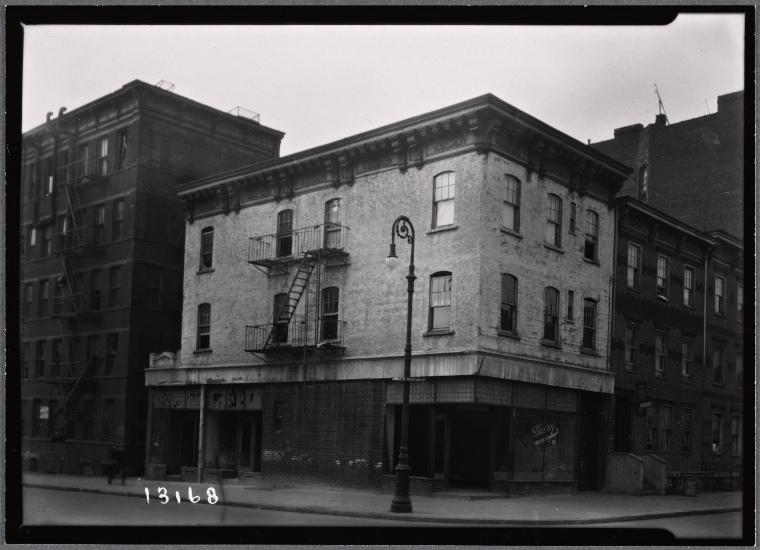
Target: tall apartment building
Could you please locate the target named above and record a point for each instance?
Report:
(102, 261)
(293, 330)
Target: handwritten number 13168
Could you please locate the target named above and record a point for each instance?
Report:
(210, 495)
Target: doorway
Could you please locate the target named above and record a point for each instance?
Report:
(589, 435)
(469, 462)
(249, 443)
(623, 408)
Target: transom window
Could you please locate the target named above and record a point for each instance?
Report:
(591, 247)
(443, 199)
(204, 326)
(207, 248)
(510, 217)
(551, 314)
(663, 272)
(720, 289)
(440, 301)
(688, 286)
(589, 324)
(508, 319)
(634, 265)
(554, 221)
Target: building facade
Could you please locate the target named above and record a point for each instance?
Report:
(101, 269)
(293, 330)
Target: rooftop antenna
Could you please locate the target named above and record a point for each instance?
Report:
(708, 107)
(661, 106)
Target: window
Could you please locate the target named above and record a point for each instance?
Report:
(92, 347)
(32, 240)
(84, 160)
(58, 358)
(687, 346)
(660, 354)
(652, 427)
(554, 221)
(330, 313)
(739, 370)
(510, 213)
(717, 364)
(643, 183)
(631, 346)
(277, 417)
(39, 371)
(207, 248)
(688, 286)
(551, 314)
(333, 228)
(112, 350)
(570, 306)
(573, 216)
(686, 430)
(204, 327)
(25, 351)
(152, 286)
(88, 414)
(118, 219)
(720, 303)
(663, 272)
(666, 427)
(508, 319)
(47, 236)
(634, 259)
(95, 289)
(42, 310)
(100, 224)
(57, 298)
(114, 297)
(108, 419)
(103, 156)
(740, 303)
(736, 422)
(285, 233)
(591, 248)
(61, 232)
(443, 199)
(36, 417)
(280, 329)
(717, 433)
(48, 175)
(440, 301)
(28, 293)
(589, 324)
(121, 150)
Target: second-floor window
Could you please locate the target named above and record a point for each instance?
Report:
(736, 431)
(551, 314)
(686, 357)
(717, 433)
(720, 289)
(510, 213)
(589, 324)
(686, 431)
(121, 151)
(718, 364)
(285, 233)
(114, 299)
(631, 346)
(118, 219)
(28, 297)
(440, 301)
(47, 237)
(663, 273)
(591, 248)
(103, 156)
(330, 313)
(634, 265)
(333, 224)
(95, 289)
(207, 248)
(61, 233)
(281, 319)
(660, 354)
(57, 299)
(39, 369)
(443, 199)
(508, 318)
(100, 224)
(688, 286)
(204, 327)
(554, 221)
(666, 427)
(42, 310)
(653, 422)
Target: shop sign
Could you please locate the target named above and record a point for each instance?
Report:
(545, 433)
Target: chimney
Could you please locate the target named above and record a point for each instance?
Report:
(660, 120)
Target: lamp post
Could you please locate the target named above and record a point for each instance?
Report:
(401, 502)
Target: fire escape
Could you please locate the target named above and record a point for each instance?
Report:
(73, 372)
(301, 255)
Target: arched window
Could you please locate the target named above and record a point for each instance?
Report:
(285, 233)
(443, 199)
(510, 217)
(591, 248)
(333, 227)
(207, 248)
(204, 327)
(589, 324)
(554, 221)
(440, 301)
(330, 313)
(551, 314)
(508, 319)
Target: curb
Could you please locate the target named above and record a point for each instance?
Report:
(415, 518)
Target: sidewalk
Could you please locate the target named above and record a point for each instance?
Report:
(581, 509)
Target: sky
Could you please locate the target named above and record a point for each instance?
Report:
(320, 84)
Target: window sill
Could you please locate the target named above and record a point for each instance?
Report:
(719, 384)
(205, 270)
(720, 314)
(586, 351)
(512, 232)
(629, 368)
(555, 248)
(588, 261)
(202, 351)
(568, 321)
(446, 332)
(442, 229)
(662, 298)
(688, 306)
(550, 344)
(508, 334)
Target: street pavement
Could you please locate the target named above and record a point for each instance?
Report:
(586, 508)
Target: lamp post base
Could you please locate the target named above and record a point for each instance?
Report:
(401, 503)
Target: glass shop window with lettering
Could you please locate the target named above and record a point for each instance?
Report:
(543, 445)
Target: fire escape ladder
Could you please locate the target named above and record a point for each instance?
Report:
(295, 291)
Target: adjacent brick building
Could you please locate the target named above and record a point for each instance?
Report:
(692, 170)
(101, 271)
(293, 330)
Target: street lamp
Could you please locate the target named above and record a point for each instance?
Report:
(401, 502)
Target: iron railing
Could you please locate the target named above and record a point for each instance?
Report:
(331, 237)
(295, 334)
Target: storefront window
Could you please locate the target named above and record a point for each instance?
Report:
(543, 445)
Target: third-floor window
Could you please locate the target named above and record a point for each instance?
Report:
(510, 217)
(634, 265)
(551, 314)
(591, 248)
(118, 219)
(554, 221)
(443, 199)
(663, 273)
(688, 286)
(285, 233)
(720, 290)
